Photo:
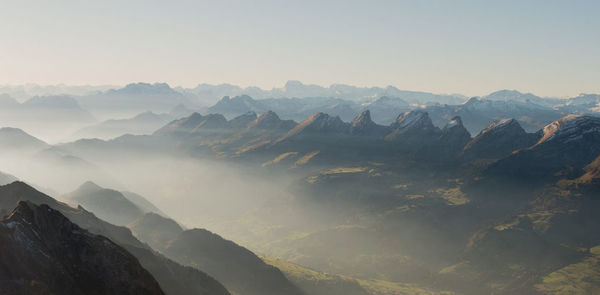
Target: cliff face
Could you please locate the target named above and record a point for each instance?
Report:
(42, 252)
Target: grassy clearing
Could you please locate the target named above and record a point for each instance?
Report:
(306, 158)
(303, 276)
(279, 158)
(578, 278)
(454, 196)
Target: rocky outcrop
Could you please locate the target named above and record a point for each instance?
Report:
(499, 139)
(364, 126)
(42, 252)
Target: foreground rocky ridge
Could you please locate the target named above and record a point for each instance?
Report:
(172, 277)
(42, 252)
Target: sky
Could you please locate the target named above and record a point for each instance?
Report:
(550, 48)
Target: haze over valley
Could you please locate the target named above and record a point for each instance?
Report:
(371, 190)
(299, 148)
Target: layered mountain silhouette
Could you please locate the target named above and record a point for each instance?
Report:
(133, 99)
(17, 140)
(143, 123)
(45, 253)
(240, 270)
(363, 125)
(566, 146)
(499, 139)
(107, 204)
(171, 276)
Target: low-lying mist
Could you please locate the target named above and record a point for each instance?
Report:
(195, 192)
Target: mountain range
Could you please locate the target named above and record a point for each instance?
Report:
(371, 194)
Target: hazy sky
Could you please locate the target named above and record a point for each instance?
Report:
(470, 47)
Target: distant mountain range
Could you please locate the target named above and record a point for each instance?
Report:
(76, 108)
(143, 123)
(486, 195)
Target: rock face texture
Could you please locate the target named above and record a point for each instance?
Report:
(454, 134)
(565, 147)
(42, 252)
(363, 125)
(317, 124)
(269, 120)
(174, 279)
(499, 139)
(413, 129)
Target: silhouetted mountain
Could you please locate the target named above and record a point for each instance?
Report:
(54, 102)
(269, 120)
(583, 103)
(242, 121)
(50, 116)
(499, 139)
(566, 146)
(142, 203)
(237, 105)
(107, 204)
(17, 140)
(414, 127)
(180, 111)
(144, 123)
(478, 113)
(317, 124)
(455, 135)
(133, 99)
(297, 89)
(514, 95)
(45, 253)
(173, 278)
(363, 125)
(385, 109)
(155, 230)
(55, 108)
(236, 267)
(195, 123)
(6, 101)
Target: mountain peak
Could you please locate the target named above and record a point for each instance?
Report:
(195, 122)
(237, 105)
(318, 123)
(89, 186)
(363, 125)
(413, 119)
(363, 119)
(413, 126)
(269, 120)
(145, 89)
(15, 138)
(472, 100)
(498, 139)
(569, 127)
(503, 124)
(53, 101)
(455, 135)
(242, 121)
